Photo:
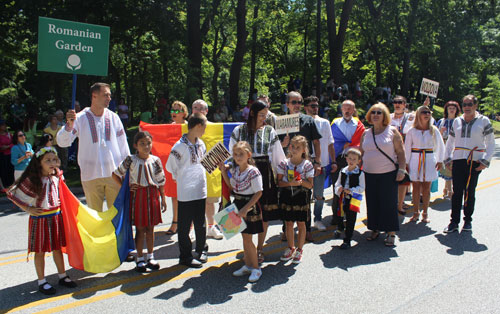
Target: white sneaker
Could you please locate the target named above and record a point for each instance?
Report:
(255, 275)
(244, 270)
(214, 233)
(319, 225)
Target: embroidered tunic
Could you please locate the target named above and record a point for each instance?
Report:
(185, 167)
(23, 194)
(464, 137)
(265, 142)
(147, 172)
(305, 169)
(422, 151)
(247, 182)
(404, 123)
(102, 144)
(360, 188)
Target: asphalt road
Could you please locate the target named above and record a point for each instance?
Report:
(426, 272)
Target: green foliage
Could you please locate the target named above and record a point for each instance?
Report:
(491, 102)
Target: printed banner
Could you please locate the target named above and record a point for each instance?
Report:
(229, 222)
(287, 124)
(215, 156)
(429, 87)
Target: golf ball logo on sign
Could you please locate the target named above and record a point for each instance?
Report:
(74, 63)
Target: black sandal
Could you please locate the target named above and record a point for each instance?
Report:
(67, 284)
(170, 231)
(373, 236)
(47, 291)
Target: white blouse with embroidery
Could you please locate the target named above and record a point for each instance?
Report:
(144, 172)
(247, 182)
(23, 194)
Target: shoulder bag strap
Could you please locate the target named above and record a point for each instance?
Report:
(383, 153)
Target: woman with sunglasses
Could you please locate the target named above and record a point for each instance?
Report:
(21, 153)
(179, 112)
(384, 164)
(451, 111)
(424, 149)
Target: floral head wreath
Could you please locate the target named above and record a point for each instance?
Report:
(45, 150)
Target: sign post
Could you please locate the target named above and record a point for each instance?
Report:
(72, 47)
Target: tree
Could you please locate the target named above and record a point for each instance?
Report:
(239, 53)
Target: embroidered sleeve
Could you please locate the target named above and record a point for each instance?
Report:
(124, 166)
(22, 194)
(158, 172)
(308, 169)
(121, 132)
(488, 129)
(282, 167)
(256, 179)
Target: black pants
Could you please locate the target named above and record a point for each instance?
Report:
(191, 212)
(460, 173)
(341, 163)
(350, 222)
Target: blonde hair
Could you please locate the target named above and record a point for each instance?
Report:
(385, 111)
(244, 146)
(418, 123)
(301, 140)
(183, 107)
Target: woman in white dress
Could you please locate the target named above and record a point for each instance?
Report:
(424, 149)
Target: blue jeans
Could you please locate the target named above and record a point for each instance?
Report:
(318, 189)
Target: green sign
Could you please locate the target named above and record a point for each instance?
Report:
(72, 47)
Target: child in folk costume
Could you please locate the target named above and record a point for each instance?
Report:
(246, 185)
(349, 187)
(184, 163)
(147, 196)
(295, 177)
(37, 193)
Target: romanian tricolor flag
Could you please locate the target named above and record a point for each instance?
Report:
(341, 140)
(96, 242)
(166, 135)
(356, 202)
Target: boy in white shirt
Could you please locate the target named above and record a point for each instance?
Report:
(185, 167)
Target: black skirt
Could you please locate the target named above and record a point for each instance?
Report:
(269, 198)
(382, 201)
(253, 218)
(295, 203)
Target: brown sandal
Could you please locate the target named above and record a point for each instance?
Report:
(425, 218)
(415, 217)
(170, 231)
(390, 239)
(373, 236)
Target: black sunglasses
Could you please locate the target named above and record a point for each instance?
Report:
(313, 105)
(376, 112)
(398, 102)
(21, 135)
(425, 112)
(295, 102)
(467, 104)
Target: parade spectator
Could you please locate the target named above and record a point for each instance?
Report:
(246, 110)
(402, 121)
(383, 164)
(326, 141)
(347, 132)
(308, 129)
(219, 115)
(451, 111)
(424, 154)
(21, 153)
(267, 153)
(184, 165)
(123, 112)
(200, 106)
(470, 147)
(102, 146)
(53, 129)
(6, 168)
(45, 141)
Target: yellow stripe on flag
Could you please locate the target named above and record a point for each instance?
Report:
(98, 238)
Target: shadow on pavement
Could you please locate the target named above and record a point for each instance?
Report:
(363, 253)
(410, 231)
(201, 290)
(460, 242)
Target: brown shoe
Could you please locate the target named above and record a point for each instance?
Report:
(309, 237)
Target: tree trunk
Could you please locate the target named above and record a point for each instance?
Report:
(194, 53)
(336, 48)
(239, 53)
(254, 49)
(304, 71)
(405, 82)
(318, 48)
(146, 104)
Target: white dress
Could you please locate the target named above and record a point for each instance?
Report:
(422, 164)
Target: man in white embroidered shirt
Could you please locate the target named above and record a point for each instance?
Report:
(102, 146)
(470, 146)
